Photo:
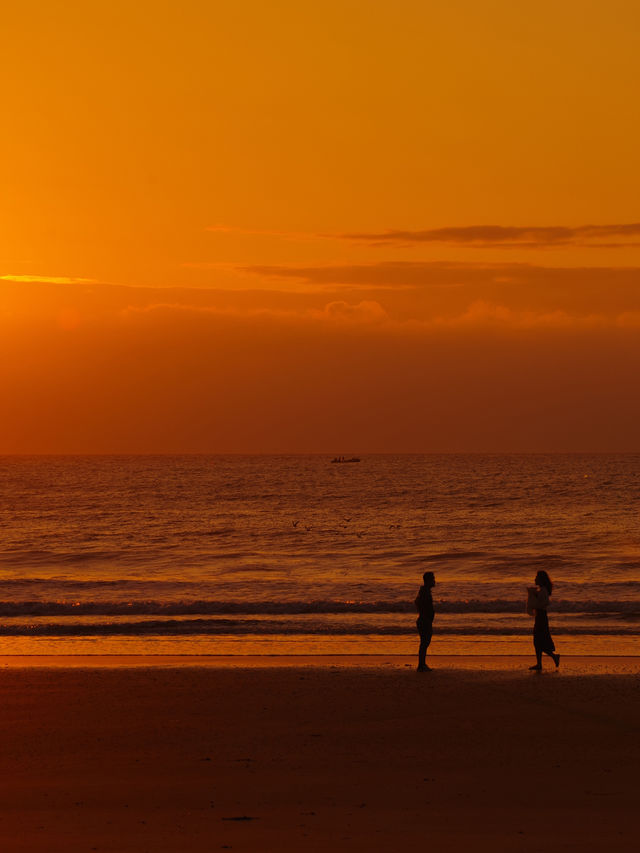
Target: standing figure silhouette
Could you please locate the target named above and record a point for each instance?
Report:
(424, 623)
(537, 603)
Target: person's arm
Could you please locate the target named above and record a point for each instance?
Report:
(427, 606)
(538, 597)
(431, 611)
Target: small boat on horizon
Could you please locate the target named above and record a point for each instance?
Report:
(341, 459)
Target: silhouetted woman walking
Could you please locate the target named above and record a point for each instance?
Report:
(537, 603)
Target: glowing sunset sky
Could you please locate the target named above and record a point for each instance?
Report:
(320, 226)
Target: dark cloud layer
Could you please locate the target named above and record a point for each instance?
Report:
(500, 235)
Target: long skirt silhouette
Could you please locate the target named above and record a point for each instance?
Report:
(542, 641)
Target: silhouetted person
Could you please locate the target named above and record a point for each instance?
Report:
(424, 623)
(537, 603)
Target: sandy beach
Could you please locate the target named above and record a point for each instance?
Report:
(318, 754)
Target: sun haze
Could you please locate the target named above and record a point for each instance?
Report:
(378, 227)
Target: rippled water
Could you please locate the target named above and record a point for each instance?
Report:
(220, 554)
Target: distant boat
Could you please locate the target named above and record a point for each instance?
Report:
(341, 459)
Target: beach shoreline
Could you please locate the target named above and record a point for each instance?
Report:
(571, 664)
(313, 755)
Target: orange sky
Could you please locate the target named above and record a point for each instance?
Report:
(264, 227)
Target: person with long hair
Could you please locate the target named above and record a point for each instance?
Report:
(537, 603)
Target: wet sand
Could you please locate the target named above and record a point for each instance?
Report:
(318, 754)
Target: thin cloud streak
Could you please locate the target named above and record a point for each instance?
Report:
(47, 279)
(479, 236)
(418, 274)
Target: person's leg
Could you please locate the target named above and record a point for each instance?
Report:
(555, 657)
(422, 649)
(426, 633)
(538, 664)
(422, 652)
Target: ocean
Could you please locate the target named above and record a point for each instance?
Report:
(268, 555)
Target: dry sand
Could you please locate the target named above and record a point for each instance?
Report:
(359, 755)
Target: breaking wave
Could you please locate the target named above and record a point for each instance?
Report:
(274, 608)
(213, 627)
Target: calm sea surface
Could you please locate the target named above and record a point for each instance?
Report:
(294, 554)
